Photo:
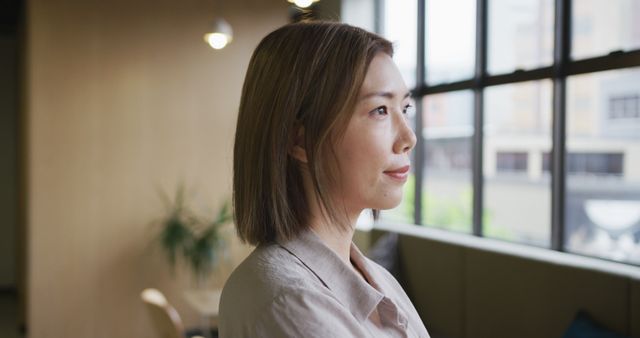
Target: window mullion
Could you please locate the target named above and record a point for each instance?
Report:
(478, 137)
(562, 45)
(378, 16)
(418, 154)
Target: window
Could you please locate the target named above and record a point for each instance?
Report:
(520, 35)
(447, 134)
(624, 107)
(602, 27)
(590, 164)
(359, 13)
(450, 41)
(596, 164)
(517, 128)
(400, 28)
(528, 119)
(602, 215)
(510, 162)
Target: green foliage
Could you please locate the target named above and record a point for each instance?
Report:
(191, 239)
(173, 237)
(496, 231)
(451, 214)
(454, 214)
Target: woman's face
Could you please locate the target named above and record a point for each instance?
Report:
(373, 154)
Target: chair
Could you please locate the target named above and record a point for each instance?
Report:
(165, 318)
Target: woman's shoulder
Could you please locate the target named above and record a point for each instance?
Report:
(274, 294)
(269, 271)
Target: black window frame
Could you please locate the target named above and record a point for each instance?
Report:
(562, 68)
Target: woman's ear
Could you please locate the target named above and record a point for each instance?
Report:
(298, 150)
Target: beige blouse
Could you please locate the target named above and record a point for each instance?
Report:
(301, 288)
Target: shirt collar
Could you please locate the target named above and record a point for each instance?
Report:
(350, 289)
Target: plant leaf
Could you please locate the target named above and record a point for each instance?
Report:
(224, 214)
(173, 236)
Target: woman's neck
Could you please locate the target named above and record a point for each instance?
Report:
(335, 237)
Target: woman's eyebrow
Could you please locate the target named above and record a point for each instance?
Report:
(388, 95)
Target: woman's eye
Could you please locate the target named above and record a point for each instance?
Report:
(382, 110)
(409, 110)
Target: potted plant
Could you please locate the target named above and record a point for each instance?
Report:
(189, 239)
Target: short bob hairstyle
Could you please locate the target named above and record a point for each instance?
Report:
(301, 75)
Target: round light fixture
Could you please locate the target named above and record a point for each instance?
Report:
(303, 3)
(221, 34)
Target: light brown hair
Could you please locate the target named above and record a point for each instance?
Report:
(301, 75)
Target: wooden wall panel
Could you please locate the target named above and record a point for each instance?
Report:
(123, 98)
(434, 278)
(509, 296)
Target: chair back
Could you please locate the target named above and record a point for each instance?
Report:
(165, 318)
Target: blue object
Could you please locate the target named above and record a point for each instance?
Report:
(583, 326)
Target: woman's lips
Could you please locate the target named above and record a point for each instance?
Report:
(399, 174)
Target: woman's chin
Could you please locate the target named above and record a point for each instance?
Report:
(388, 203)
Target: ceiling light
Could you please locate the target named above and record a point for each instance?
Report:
(303, 3)
(220, 35)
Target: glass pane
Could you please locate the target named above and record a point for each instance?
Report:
(359, 13)
(450, 54)
(400, 27)
(599, 27)
(603, 165)
(520, 35)
(447, 191)
(517, 192)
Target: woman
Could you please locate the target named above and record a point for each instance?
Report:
(322, 134)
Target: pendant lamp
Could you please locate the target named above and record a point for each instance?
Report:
(220, 35)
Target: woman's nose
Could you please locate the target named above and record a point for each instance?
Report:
(406, 138)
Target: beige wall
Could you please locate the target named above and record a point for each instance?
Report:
(122, 98)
